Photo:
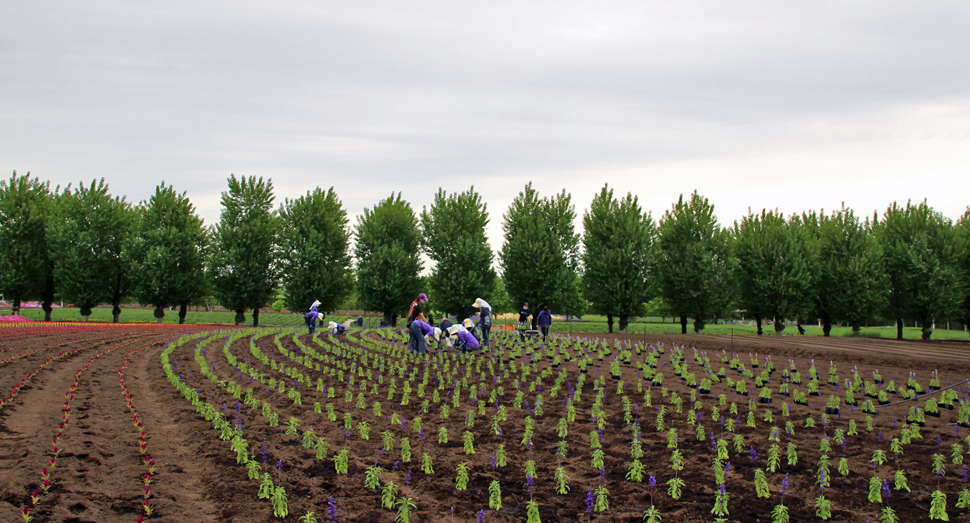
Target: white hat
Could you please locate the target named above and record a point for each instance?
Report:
(315, 304)
(453, 329)
(468, 323)
(437, 333)
(320, 316)
(333, 324)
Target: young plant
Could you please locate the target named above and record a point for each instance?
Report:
(674, 487)
(461, 478)
(388, 495)
(494, 495)
(372, 477)
(938, 506)
(602, 503)
(341, 461)
(280, 506)
(426, 464)
(562, 481)
(404, 508)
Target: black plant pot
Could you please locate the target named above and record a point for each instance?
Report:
(814, 393)
(947, 406)
(703, 391)
(615, 376)
(884, 402)
(764, 400)
(832, 411)
(934, 414)
(853, 403)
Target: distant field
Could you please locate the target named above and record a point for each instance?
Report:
(595, 324)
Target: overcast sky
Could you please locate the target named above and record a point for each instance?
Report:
(788, 105)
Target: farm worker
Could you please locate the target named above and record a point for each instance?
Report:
(337, 329)
(469, 326)
(416, 312)
(465, 341)
(545, 321)
(484, 319)
(311, 317)
(523, 324)
(421, 330)
(445, 324)
(360, 321)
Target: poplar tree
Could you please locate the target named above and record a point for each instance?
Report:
(776, 267)
(453, 236)
(539, 257)
(851, 284)
(618, 240)
(963, 234)
(242, 263)
(314, 250)
(386, 251)
(26, 271)
(693, 262)
(922, 252)
(91, 238)
(168, 252)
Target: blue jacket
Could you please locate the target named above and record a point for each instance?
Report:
(544, 319)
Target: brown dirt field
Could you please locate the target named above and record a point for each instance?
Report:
(99, 471)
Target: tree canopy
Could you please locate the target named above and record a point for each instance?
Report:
(243, 264)
(314, 251)
(26, 205)
(168, 252)
(539, 257)
(618, 240)
(693, 262)
(453, 236)
(90, 240)
(388, 265)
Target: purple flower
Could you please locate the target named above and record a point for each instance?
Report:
(407, 478)
(880, 437)
(332, 508)
(589, 500)
(784, 485)
(754, 454)
(653, 481)
(885, 489)
(821, 478)
(530, 484)
(481, 516)
(279, 466)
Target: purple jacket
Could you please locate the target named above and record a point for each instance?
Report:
(544, 319)
(426, 330)
(468, 339)
(312, 315)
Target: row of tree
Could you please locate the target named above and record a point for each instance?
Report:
(87, 247)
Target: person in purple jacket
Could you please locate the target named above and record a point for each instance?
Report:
(311, 317)
(420, 330)
(545, 321)
(465, 342)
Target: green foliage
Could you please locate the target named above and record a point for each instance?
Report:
(875, 490)
(532, 512)
(388, 495)
(26, 215)
(314, 245)
(601, 501)
(494, 495)
(539, 256)
(341, 461)
(823, 508)
(168, 252)
(618, 240)
(386, 250)
(372, 476)
(562, 481)
(852, 280)
(674, 487)
(453, 236)
(938, 506)
(888, 515)
(776, 266)
(404, 508)
(693, 262)
(461, 476)
(652, 515)
(779, 514)
(90, 242)
(242, 263)
(922, 263)
(280, 506)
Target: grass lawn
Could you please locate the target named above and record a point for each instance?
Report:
(595, 324)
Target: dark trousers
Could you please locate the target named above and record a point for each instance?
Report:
(545, 332)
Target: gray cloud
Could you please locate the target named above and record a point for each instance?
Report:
(754, 104)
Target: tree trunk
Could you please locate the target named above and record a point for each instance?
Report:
(15, 307)
(624, 323)
(856, 328)
(47, 294)
(182, 310)
(256, 317)
(927, 329)
(757, 320)
(84, 318)
(116, 313)
(826, 324)
(240, 316)
(698, 325)
(159, 313)
(390, 319)
(899, 328)
(116, 310)
(535, 321)
(609, 323)
(779, 326)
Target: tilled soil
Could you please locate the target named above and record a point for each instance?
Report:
(99, 472)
